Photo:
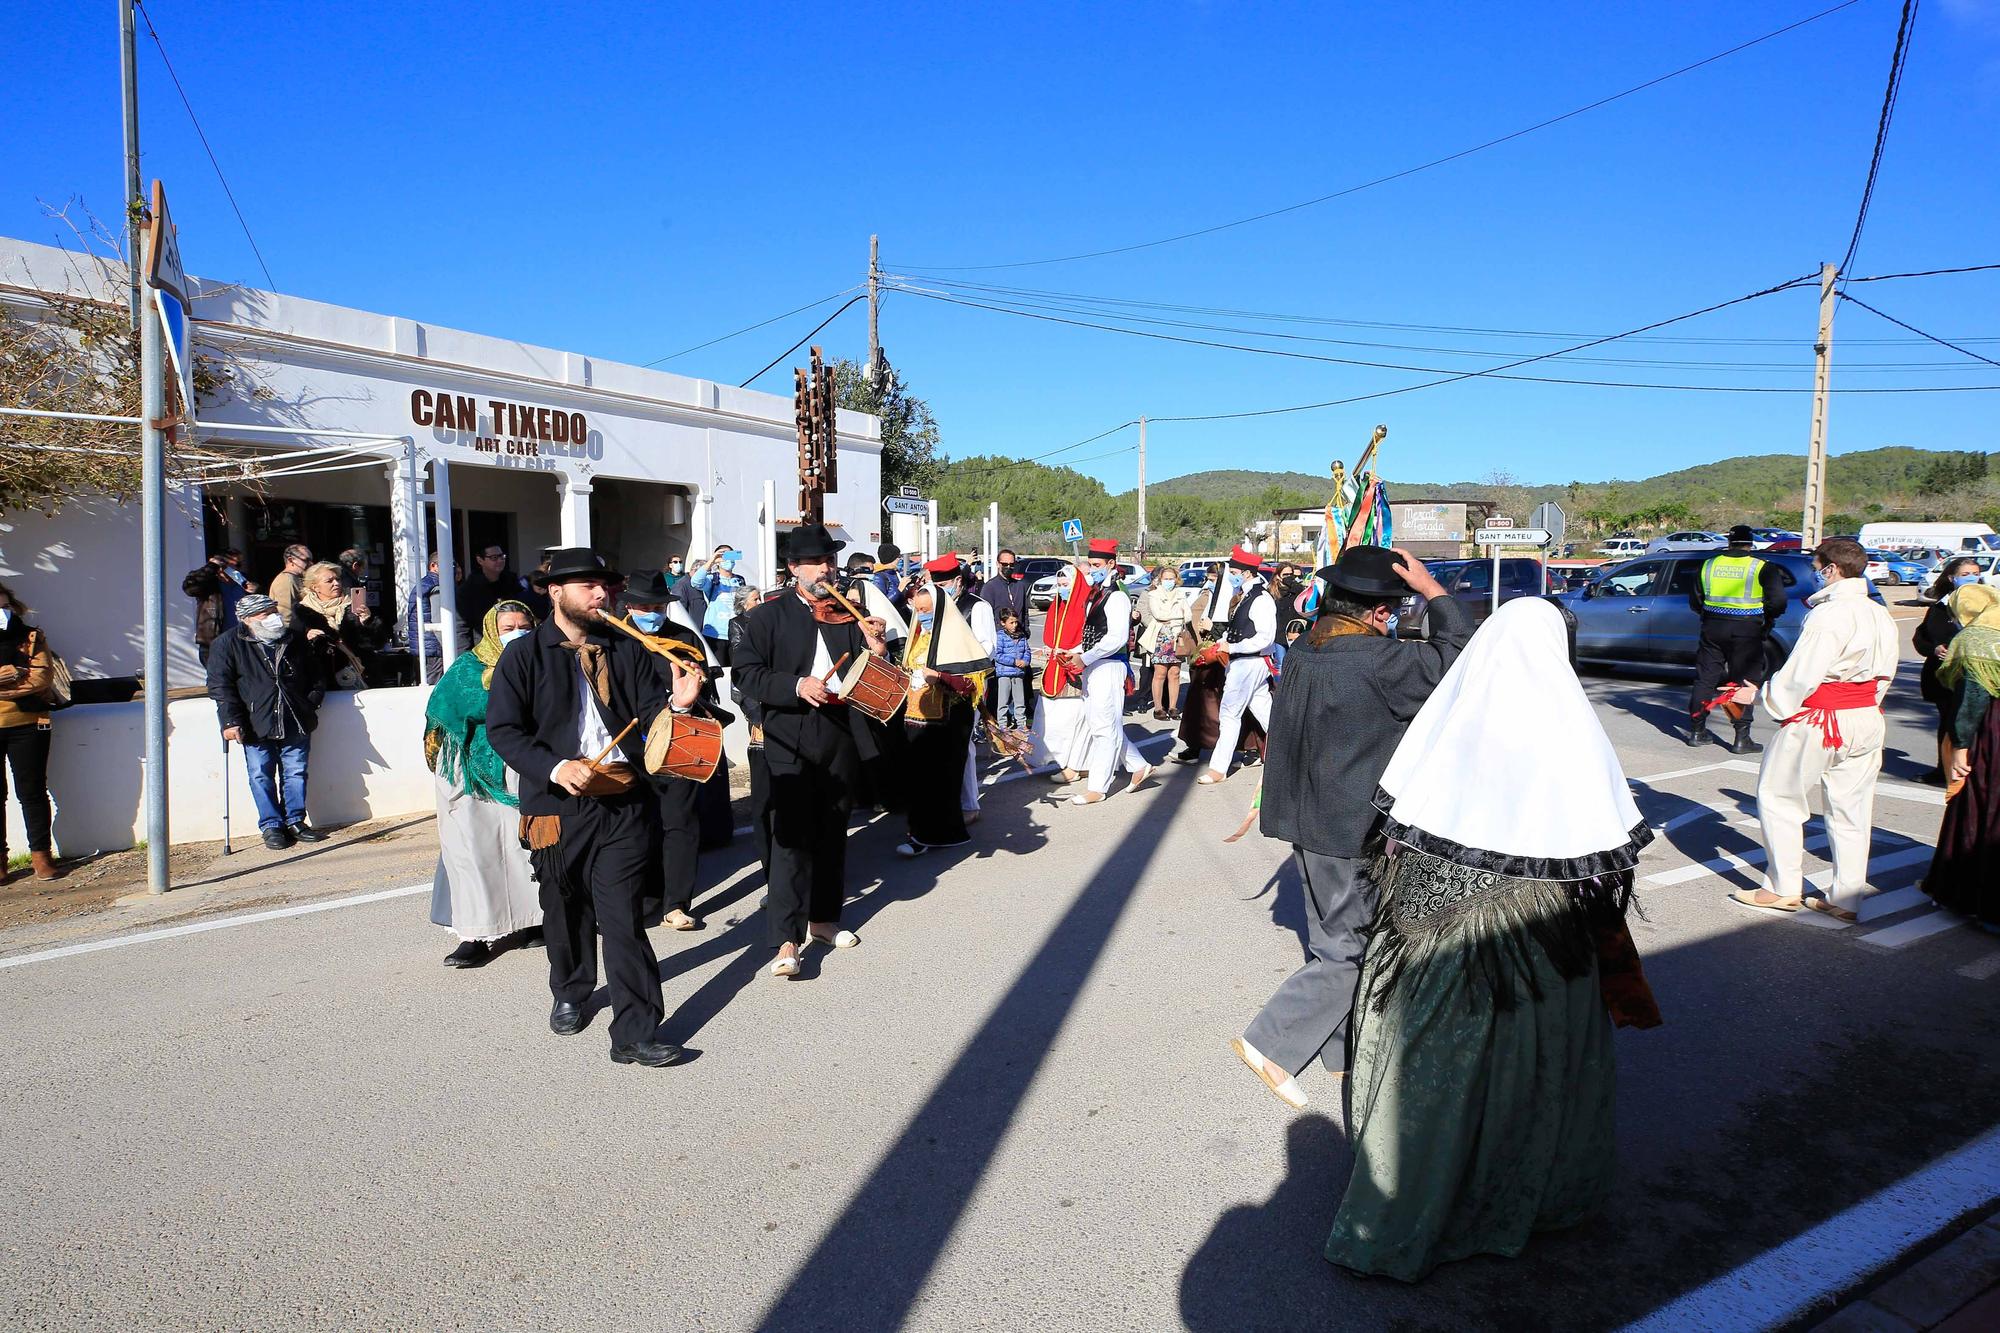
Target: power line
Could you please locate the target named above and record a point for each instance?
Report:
(1926, 273)
(1919, 332)
(1022, 462)
(1407, 171)
(1897, 57)
(200, 134)
(1751, 367)
(752, 328)
(962, 285)
(803, 341)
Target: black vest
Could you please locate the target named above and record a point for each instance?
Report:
(1095, 626)
(1241, 627)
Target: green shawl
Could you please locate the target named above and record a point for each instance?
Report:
(1975, 651)
(455, 744)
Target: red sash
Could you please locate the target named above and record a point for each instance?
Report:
(1823, 705)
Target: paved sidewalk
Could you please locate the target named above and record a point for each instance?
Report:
(1953, 1288)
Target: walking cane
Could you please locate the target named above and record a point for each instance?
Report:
(225, 795)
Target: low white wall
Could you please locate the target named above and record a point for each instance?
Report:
(367, 763)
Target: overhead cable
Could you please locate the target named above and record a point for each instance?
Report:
(803, 341)
(1966, 351)
(751, 328)
(1897, 57)
(202, 135)
(1019, 462)
(1407, 171)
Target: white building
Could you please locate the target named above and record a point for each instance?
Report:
(354, 414)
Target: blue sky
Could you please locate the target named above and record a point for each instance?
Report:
(630, 180)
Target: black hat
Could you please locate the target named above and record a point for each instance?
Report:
(574, 562)
(888, 553)
(1742, 535)
(810, 541)
(646, 587)
(1366, 573)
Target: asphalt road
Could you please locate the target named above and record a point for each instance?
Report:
(1013, 1106)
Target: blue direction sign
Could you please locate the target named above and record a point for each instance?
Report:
(1072, 529)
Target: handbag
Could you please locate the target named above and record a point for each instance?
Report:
(61, 692)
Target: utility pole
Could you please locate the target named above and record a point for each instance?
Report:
(875, 313)
(128, 65)
(1142, 490)
(1814, 524)
(153, 578)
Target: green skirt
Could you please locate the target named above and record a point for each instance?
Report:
(1483, 1075)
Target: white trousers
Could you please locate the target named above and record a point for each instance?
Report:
(1247, 687)
(1059, 733)
(1796, 761)
(1107, 750)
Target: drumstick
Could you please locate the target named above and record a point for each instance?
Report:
(614, 742)
(833, 671)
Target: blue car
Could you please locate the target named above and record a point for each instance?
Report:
(1896, 567)
(1638, 615)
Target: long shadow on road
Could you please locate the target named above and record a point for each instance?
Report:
(875, 1257)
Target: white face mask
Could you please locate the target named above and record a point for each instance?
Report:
(6, 616)
(268, 629)
(510, 635)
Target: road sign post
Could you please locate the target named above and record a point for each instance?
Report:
(911, 505)
(1494, 538)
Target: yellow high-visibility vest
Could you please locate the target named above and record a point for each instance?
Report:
(1729, 586)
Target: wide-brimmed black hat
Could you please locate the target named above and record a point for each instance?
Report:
(1366, 573)
(574, 562)
(646, 587)
(810, 541)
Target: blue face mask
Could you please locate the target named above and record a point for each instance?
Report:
(1819, 576)
(924, 619)
(514, 634)
(1235, 582)
(1960, 580)
(1098, 577)
(649, 621)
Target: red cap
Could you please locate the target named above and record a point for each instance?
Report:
(944, 567)
(1104, 548)
(1244, 559)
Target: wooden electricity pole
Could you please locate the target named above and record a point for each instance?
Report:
(1813, 528)
(1142, 489)
(875, 313)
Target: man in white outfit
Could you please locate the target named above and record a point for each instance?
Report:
(1107, 634)
(978, 615)
(1827, 702)
(1253, 628)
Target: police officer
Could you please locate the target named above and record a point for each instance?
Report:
(1739, 597)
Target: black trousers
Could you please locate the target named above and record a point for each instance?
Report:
(1731, 648)
(808, 869)
(592, 883)
(26, 751)
(679, 842)
(760, 808)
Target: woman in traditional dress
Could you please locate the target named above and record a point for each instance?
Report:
(948, 676)
(484, 891)
(1932, 640)
(1965, 871)
(1482, 1074)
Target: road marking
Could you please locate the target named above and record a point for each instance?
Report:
(1684, 772)
(1727, 861)
(1784, 1282)
(1909, 932)
(1902, 792)
(1981, 968)
(1897, 900)
(219, 923)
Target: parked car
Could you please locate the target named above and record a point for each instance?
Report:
(1638, 613)
(1687, 540)
(1895, 567)
(1621, 548)
(1770, 537)
(1043, 590)
(1470, 583)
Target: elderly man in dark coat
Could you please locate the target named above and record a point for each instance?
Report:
(1349, 691)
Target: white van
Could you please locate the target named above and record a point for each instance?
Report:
(1944, 536)
(1618, 548)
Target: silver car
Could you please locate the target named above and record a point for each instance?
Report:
(1690, 540)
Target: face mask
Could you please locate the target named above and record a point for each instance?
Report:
(673, 567)
(1820, 576)
(1098, 577)
(6, 616)
(924, 619)
(649, 621)
(268, 629)
(1957, 581)
(513, 634)
(1235, 583)
(1007, 572)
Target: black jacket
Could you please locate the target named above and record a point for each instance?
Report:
(268, 694)
(775, 652)
(535, 706)
(1006, 595)
(360, 639)
(476, 597)
(1336, 720)
(1937, 629)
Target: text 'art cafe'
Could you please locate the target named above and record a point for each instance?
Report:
(389, 436)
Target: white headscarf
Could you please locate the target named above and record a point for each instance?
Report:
(1506, 767)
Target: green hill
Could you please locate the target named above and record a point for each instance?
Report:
(1203, 511)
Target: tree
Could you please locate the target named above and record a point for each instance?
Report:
(78, 354)
(909, 431)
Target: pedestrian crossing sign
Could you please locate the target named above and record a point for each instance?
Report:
(1072, 529)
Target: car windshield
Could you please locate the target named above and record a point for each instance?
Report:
(1629, 581)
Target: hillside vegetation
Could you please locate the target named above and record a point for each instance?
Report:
(1205, 511)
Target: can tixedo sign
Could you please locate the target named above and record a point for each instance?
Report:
(516, 434)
